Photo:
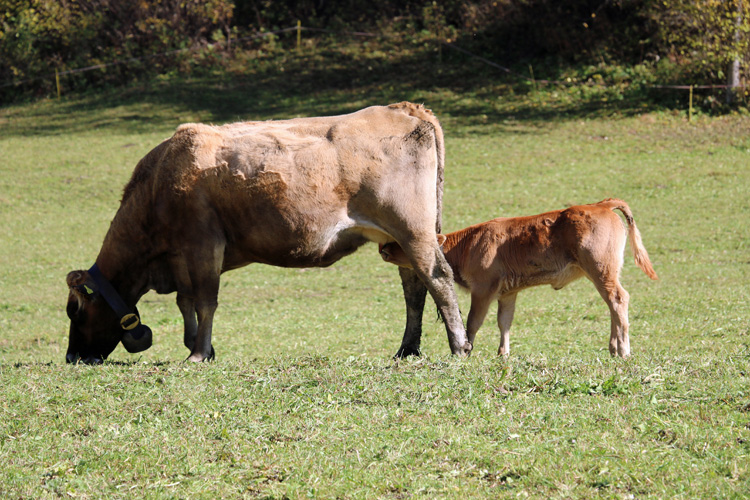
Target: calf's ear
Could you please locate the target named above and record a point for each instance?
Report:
(441, 239)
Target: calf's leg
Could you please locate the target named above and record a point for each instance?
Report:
(506, 307)
(617, 300)
(618, 310)
(480, 304)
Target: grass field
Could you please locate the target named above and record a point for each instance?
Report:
(304, 399)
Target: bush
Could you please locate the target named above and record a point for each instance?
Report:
(701, 37)
(39, 36)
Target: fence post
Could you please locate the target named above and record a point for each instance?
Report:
(57, 82)
(690, 109)
(299, 34)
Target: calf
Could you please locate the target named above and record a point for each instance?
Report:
(499, 258)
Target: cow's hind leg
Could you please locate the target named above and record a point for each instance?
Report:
(432, 268)
(415, 292)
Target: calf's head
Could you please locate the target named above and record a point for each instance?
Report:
(394, 254)
(95, 329)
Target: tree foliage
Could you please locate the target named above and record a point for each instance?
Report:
(703, 37)
(680, 38)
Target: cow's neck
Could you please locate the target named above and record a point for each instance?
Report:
(125, 256)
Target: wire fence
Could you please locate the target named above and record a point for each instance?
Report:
(299, 29)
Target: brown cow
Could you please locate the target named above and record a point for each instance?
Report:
(499, 258)
(293, 193)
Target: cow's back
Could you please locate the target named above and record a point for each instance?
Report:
(317, 152)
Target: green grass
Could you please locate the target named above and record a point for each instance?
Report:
(304, 399)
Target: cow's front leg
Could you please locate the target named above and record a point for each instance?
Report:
(202, 348)
(415, 292)
(204, 269)
(187, 309)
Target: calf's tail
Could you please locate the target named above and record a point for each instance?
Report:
(636, 244)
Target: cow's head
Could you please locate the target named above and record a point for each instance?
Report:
(95, 328)
(394, 254)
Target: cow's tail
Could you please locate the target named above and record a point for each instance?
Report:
(440, 146)
(636, 244)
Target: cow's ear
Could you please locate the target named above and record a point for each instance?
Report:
(441, 239)
(81, 284)
(76, 278)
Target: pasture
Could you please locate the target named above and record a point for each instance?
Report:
(305, 400)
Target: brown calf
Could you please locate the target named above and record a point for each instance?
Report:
(499, 258)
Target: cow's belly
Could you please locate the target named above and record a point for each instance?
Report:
(300, 250)
(273, 220)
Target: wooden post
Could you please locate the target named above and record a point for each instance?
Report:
(690, 109)
(299, 34)
(57, 82)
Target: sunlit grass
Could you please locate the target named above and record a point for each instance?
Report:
(304, 399)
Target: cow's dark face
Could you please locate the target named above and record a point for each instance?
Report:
(95, 329)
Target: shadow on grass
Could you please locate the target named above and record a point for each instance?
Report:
(152, 364)
(460, 89)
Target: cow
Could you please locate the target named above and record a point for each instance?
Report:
(497, 259)
(303, 192)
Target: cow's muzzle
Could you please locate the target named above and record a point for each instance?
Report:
(75, 358)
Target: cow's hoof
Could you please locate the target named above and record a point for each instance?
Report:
(464, 351)
(197, 357)
(405, 352)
